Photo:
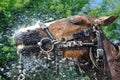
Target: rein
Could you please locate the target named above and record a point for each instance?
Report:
(50, 43)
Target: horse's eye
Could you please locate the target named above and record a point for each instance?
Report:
(77, 22)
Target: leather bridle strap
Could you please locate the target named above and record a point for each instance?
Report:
(101, 55)
(45, 28)
(94, 62)
(107, 69)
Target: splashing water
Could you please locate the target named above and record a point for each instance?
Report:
(32, 68)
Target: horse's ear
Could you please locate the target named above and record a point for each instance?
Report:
(104, 21)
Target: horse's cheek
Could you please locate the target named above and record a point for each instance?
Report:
(74, 53)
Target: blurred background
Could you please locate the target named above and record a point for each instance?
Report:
(15, 14)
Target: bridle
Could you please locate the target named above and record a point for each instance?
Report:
(55, 44)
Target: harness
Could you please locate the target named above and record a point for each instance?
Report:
(49, 44)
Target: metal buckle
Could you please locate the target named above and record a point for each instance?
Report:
(100, 52)
(86, 32)
(21, 77)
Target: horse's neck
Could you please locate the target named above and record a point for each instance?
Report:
(113, 63)
(110, 49)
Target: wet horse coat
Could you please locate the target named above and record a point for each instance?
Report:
(65, 29)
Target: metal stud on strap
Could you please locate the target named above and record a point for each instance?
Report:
(86, 32)
(99, 52)
(21, 77)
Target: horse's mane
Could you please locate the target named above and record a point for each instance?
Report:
(117, 47)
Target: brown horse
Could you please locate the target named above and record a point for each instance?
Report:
(78, 28)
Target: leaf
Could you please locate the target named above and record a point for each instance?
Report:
(6, 48)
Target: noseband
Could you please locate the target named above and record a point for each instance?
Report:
(50, 44)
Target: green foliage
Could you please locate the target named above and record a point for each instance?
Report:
(8, 4)
(107, 8)
(7, 49)
(55, 9)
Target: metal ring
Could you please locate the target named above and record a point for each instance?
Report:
(41, 44)
(21, 77)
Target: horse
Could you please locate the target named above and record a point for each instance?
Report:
(84, 40)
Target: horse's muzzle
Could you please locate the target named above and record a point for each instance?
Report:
(26, 42)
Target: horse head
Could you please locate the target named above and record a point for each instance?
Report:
(81, 38)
